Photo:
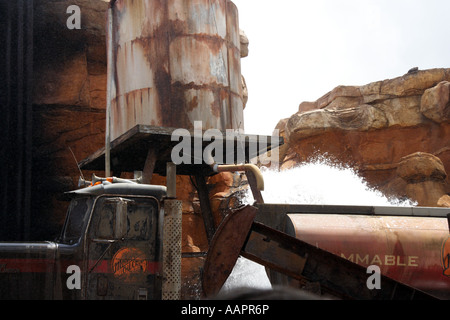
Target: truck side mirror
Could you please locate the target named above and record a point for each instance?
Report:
(120, 216)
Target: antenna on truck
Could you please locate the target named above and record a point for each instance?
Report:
(81, 173)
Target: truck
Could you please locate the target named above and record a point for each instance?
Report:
(109, 248)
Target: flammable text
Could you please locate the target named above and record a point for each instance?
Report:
(387, 260)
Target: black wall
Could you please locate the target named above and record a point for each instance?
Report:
(16, 132)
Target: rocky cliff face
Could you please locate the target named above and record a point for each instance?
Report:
(374, 127)
(69, 102)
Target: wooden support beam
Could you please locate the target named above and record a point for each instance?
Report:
(205, 206)
(149, 166)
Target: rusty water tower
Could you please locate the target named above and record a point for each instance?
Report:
(174, 62)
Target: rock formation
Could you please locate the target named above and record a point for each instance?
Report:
(69, 103)
(375, 126)
(424, 176)
(244, 53)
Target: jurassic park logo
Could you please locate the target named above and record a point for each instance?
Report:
(127, 263)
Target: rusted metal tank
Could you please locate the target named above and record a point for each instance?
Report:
(410, 244)
(175, 62)
(412, 250)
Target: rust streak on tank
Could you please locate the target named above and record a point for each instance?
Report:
(176, 62)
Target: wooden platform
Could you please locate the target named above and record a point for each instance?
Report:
(129, 152)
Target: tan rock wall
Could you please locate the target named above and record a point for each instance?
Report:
(372, 127)
(69, 94)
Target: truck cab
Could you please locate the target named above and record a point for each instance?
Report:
(109, 248)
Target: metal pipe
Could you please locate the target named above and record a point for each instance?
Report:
(171, 180)
(243, 167)
(96, 179)
(108, 95)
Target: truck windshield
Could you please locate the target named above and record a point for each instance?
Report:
(77, 214)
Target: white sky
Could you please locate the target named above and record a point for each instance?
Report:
(300, 50)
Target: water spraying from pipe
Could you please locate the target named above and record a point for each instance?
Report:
(322, 182)
(319, 181)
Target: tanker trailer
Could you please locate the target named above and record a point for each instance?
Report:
(409, 244)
